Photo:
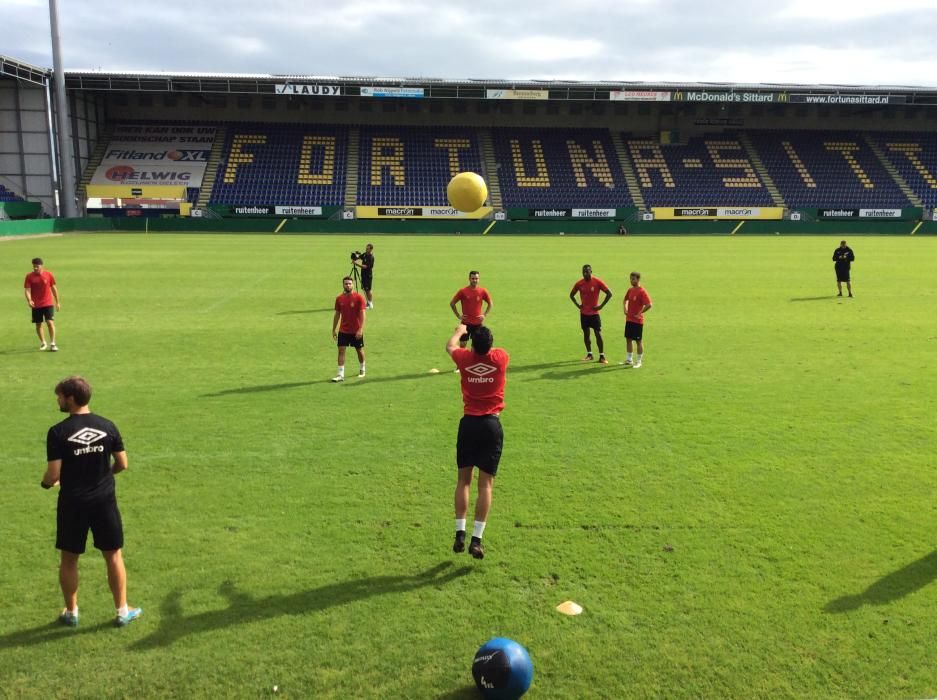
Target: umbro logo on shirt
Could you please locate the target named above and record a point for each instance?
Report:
(87, 436)
(480, 371)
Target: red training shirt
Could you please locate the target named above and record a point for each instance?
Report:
(483, 378)
(637, 299)
(40, 287)
(350, 307)
(472, 304)
(589, 294)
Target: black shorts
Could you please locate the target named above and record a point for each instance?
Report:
(634, 331)
(43, 313)
(593, 321)
(366, 281)
(74, 519)
(349, 340)
(464, 338)
(479, 443)
(842, 275)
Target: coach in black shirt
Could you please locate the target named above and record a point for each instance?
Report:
(843, 258)
(366, 263)
(84, 452)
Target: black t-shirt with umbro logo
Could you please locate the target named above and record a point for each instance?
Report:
(84, 442)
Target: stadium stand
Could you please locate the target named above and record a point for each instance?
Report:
(8, 195)
(704, 171)
(273, 164)
(413, 165)
(559, 168)
(306, 164)
(914, 156)
(827, 169)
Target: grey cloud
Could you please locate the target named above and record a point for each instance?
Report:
(654, 40)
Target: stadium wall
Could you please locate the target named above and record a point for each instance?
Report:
(650, 118)
(25, 153)
(438, 227)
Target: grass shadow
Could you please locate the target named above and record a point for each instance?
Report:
(244, 608)
(48, 632)
(890, 588)
(18, 351)
(352, 379)
(828, 296)
(262, 387)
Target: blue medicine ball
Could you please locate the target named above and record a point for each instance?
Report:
(502, 669)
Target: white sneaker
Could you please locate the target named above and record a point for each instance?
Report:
(53, 348)
(360, 372)
(369, 305)
(339, 378)
(636, 365)
(43, 346)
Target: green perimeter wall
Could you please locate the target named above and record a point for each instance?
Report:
(414, 226)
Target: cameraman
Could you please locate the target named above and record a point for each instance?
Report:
(366, 262)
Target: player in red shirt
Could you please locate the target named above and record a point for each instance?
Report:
(588, 289)
(471, 299)
(636, 303)
(483, 370)
(43, 298)
(349, 309)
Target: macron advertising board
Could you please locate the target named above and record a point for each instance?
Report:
(164, 154)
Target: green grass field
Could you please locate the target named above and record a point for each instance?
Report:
(751, 514)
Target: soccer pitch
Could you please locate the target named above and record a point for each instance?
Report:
(749, 514)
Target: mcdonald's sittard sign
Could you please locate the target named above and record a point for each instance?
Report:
(730, 96)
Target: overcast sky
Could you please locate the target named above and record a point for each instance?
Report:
(855, 42)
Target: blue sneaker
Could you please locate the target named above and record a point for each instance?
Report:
(124, 620)
(69, 619)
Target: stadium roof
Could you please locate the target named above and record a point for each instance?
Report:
(265, 83)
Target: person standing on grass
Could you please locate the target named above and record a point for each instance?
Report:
(43, 298)
(843, 257)
(480, 438)
(636, 304)
(589, 307)
(366, 263)
(349, 310)
(84, 453)
(470, 298)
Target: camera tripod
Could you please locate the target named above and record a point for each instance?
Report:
(355, 275)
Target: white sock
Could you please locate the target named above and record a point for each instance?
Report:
(362, 367)
(341, 370)
(640, 356)
(123, 611)
(478, 529)
(72, 612)
(460, 524)
(629, 357)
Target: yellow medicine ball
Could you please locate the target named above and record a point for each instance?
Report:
(467, 191)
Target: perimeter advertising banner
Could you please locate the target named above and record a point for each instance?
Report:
(155, 155)
(639, 96)
(731, 213)
(419, 213)
(860, 213)
(849, 99)
(308, 89)
(729, 96)
(518, 94)
(391, 92)
(279, 210)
